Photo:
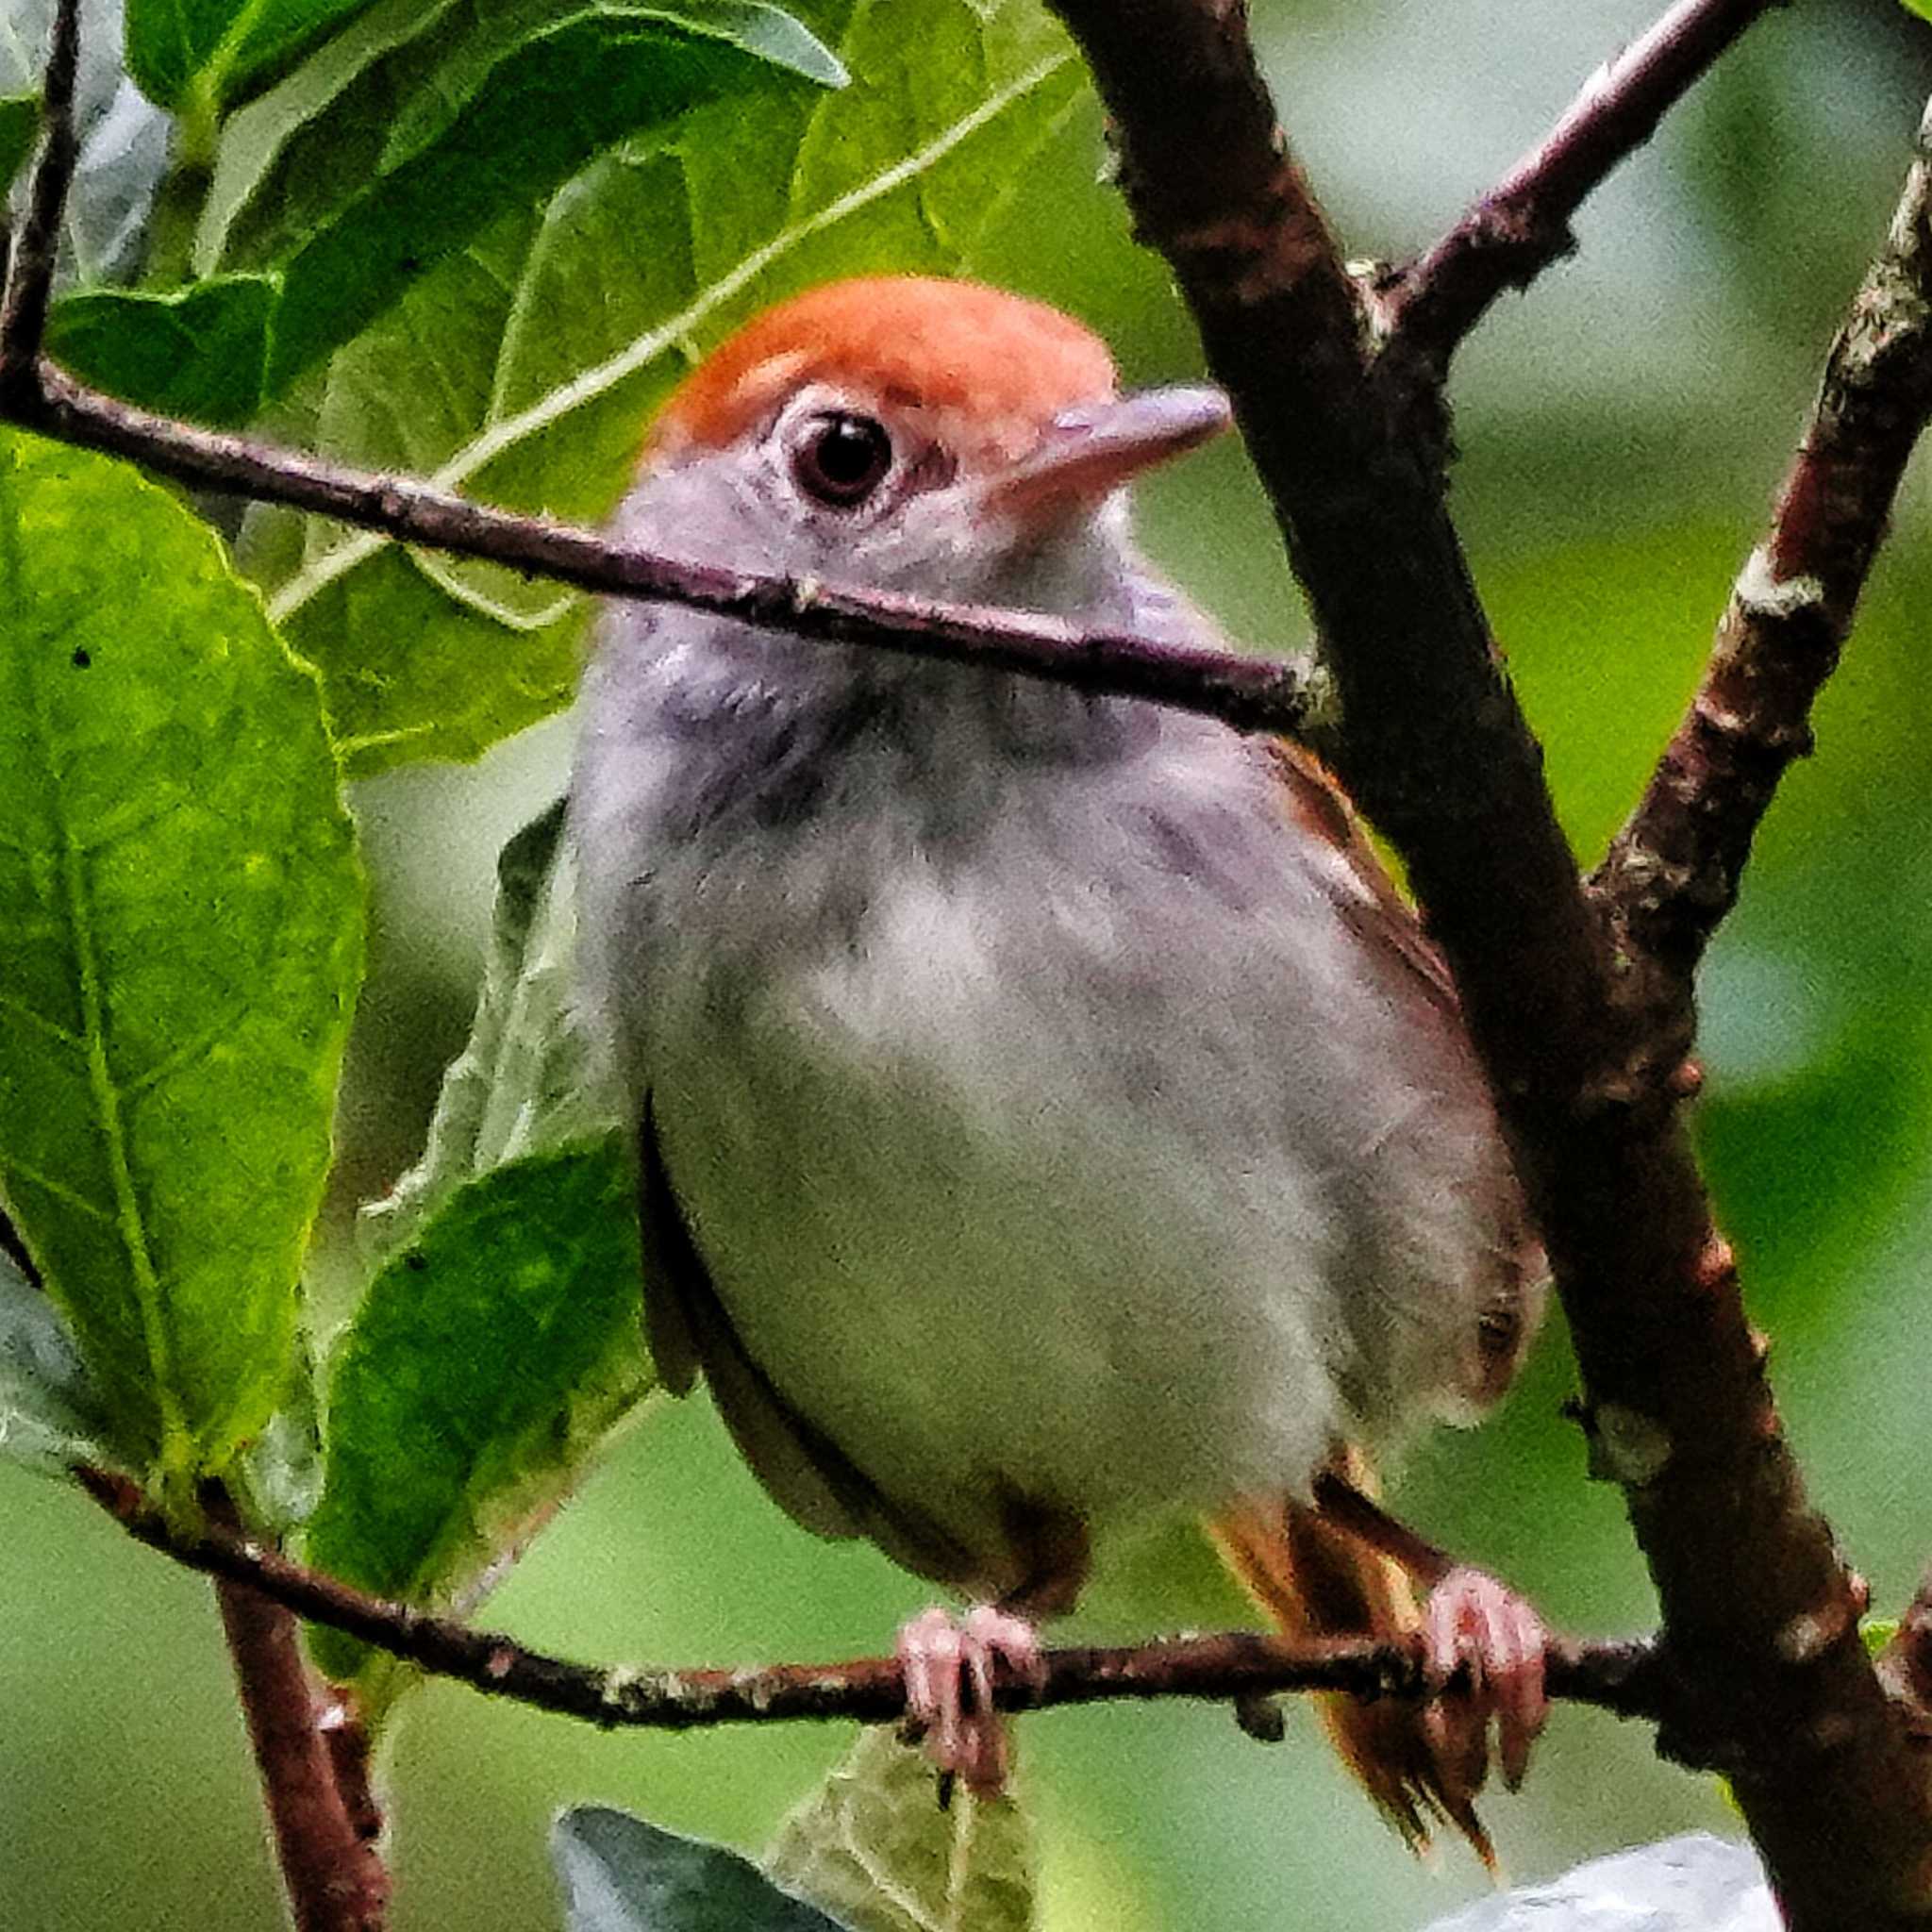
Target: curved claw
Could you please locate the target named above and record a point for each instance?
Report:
(942, 1657)
(1472, 1620)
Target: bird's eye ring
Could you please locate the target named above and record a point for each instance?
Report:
(842, 457)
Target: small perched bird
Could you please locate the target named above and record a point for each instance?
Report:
(1049, 1116)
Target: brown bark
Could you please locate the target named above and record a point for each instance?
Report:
(1759, 1611)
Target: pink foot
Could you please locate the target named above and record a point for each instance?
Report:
(1471, 1619)
(942, 1655)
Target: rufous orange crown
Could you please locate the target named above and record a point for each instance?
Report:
(986, 368)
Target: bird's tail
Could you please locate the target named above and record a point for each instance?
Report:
(1317, 1580)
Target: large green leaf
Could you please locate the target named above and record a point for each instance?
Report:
(387, 154)
(525, 372)
(491, 1357)
(871, 1846)
(620, 1874)
(50, 1416)
(180, 939)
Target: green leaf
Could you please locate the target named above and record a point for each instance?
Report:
(523, 1083)
(1922, 8)
(521, 1212)
(50, 1416)
(490, 1358)
(524, 374)
(180, 940)
(495, 112)
(1877, 1634)
(873, 1845)
(204, 55)
(199, 352)
(20, 124)
(620, 1874)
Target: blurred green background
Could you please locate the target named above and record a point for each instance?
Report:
(1622, 430)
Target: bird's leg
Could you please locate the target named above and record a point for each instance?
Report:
(1470, 1621)
(950, 1664)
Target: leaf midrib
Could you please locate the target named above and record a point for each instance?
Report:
(176, 1446)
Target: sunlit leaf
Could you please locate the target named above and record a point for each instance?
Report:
(180, 939)
(873, 1846)
(490, 1358)
(620, 1874)
(526, 377)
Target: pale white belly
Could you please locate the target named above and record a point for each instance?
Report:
(985, 1251)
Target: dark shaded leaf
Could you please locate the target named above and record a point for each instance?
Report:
(199, 352)
(20, 124)
(620, 1874)
(199, 56)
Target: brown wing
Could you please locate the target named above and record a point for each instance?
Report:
(688, 1329)
(1509, 1318)
(1320, 806)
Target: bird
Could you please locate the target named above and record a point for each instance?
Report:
(1050, 1118)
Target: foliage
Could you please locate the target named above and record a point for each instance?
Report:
(480, 240)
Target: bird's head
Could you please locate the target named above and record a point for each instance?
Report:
(937, 437)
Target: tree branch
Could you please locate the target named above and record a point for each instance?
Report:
(1523, 223)
(31, 260)
(1628, 1679)
(1759, 1610)
(334, 1875)
(1250, 693)
(1674, 871)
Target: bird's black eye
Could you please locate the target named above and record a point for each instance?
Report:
(841, 458)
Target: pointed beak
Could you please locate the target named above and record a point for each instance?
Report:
(1089, 453)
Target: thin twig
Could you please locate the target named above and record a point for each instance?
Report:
(334, 1874)
(1248, 692)
(1674, 871)
(1628, 1679)
(1760, 1611)
(1523, 223)
(37, 247)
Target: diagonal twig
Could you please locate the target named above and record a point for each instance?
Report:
(1251, 693)
(1628, 1679)
(1522, 225)
(1674, 871)
(35, 250)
